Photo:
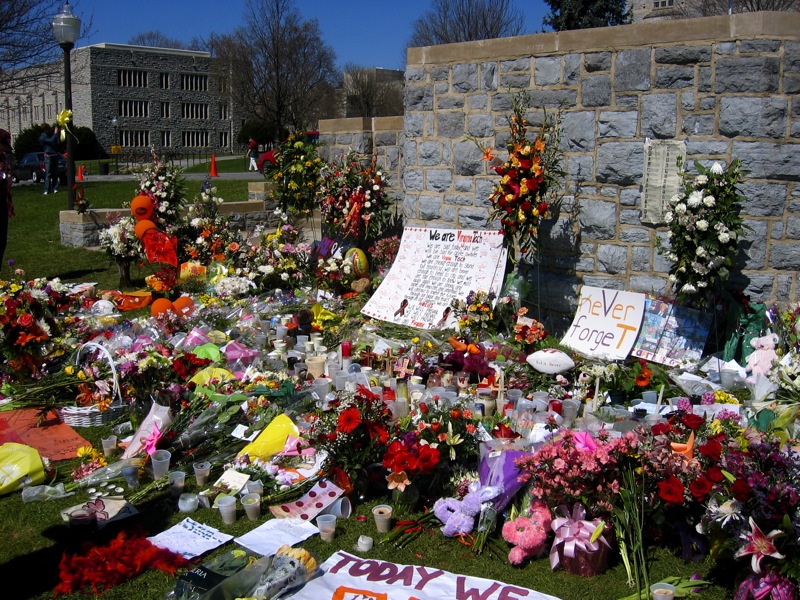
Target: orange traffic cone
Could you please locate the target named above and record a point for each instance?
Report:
(214, 166)
(79, 174)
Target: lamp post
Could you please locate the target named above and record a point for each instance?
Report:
(66, 28)
(115, 152)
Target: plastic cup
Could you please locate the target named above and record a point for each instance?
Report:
(177, 479)
(728, 378)
(383, 517)
(227, 508)
(188, 502)
(364, 543)
(252, 506)
(109, 446)
(202, 470)
(327, 527)
(254, 487)
(160, 460)
(650, 396)
(340, 508)
(662, 591)
(131, 475)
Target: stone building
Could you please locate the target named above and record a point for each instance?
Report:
(173, 100)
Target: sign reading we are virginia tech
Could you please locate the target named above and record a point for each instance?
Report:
(606, 323)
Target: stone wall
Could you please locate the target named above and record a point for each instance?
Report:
(727, 85)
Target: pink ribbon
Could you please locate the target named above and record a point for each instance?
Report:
(575, 533)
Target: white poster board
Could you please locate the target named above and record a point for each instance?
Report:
(606, 323)
(434, 266)
(348, 577)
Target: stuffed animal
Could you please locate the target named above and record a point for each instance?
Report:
(528, 533)
(458, 516)
(761, 360)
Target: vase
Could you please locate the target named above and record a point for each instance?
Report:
(617, 397)
(124, 268)
(404, 502)
(140, 407)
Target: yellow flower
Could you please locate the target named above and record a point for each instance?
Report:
(84, 451)
(415, 340)
(69, 370)
(81, 375)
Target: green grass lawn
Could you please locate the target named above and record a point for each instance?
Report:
(34, 241)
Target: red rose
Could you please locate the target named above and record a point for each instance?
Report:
(693, 421)
(741, 490)
(712, 450)
(661, 428)
(435, 426)
(671, 490)
(423, 408)
(714, 474)
(455, 414)
(700, 488)
(25, 320)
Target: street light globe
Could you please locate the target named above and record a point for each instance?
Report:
(66, 26)
(114, 121)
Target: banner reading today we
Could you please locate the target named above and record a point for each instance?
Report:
(348, 577)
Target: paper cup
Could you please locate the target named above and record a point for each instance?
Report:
(252, 506)
(316, 366)
(160, 460)
(662, 591)
(202, 470)
(383, 518)
(227, 508)
(340, 508)
(327, 527)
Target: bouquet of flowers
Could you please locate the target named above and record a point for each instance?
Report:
(383, 252)
(165, 187)
(450, 428)
(352, 199)
(296, 175)
(526, 330)
(353, 431)
(705, 224)
(408, 456)
(475, 314)
(280, 260)
(334, 274)
(529, 177)
(207, 236)
(119, 239)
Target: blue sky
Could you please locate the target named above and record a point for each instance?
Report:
(370, 33)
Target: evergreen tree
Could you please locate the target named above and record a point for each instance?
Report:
(585, 14)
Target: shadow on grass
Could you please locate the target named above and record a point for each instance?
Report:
(77, 274)
(35, 575)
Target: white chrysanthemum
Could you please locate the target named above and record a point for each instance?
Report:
(680, 208)
(688, 288)
(668, 216)
(724, 238)
(717, 169)
(700, 180)
(709, 201)
(695, 199)
(702, 225)
(702, 284)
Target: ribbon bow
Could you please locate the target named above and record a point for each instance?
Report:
(575, 532)
(63, 119)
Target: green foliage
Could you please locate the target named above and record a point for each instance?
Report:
(585, 14)
(296, 175)
(260, 131)
(27, 141)
(86, 146)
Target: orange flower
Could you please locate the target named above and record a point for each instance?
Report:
(643, 379)
(85, 396)
(233, 247)
(487, 154)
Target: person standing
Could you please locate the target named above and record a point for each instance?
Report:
(6, 206)
(252, 152)
(50, 140)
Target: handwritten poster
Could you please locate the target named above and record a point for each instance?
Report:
(433, 267)
(348, 577)
(671, 334)
(190, 538)
(606, 323)
(53, 439)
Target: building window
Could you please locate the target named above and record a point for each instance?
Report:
(48, 112)
(194, 83)
(194, 110)
(224, 111)
(25, 115)
(165, 110)
(131, 78)
(134, 138)
(37, 114)
(194, 139)
(223, 85)
(164, 80)
(134, 108)
(166, 139)
(224, 139)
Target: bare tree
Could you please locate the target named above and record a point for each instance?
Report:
(371, 92)
(156, 39)
(450, 21)
(708, 8)
(26, 40)
(279, 67)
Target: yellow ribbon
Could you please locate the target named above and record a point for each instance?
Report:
(63, 119)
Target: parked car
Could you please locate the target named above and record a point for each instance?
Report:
(267, 160)
(32, 168)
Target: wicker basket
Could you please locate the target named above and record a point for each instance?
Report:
(92, 416)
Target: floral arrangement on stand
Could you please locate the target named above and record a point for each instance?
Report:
(280, 260)
(296, 174)
(119, 239)
(530, 176)
(165, 186)
(383, 252)
(205, 235)
(352, 199)
(335, 274)
(450, 428)
(705, 225)
(475, 315)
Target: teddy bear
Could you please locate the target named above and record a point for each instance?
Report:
(528, 532)
(762, 359)
(458, 516)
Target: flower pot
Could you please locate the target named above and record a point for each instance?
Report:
(617, 397)
(585, 564)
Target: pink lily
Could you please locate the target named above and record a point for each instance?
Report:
(760, 546)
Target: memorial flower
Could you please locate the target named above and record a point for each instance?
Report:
(165, 187)
(705, 224)
(296, 175)
(529, 177)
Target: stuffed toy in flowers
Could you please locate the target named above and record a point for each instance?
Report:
(528, 533)
(458, 516)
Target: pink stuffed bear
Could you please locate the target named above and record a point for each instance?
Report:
(762, 359)
(528, 533)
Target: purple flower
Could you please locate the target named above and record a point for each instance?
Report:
(708, 398)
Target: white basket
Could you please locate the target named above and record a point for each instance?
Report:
(92, 416)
